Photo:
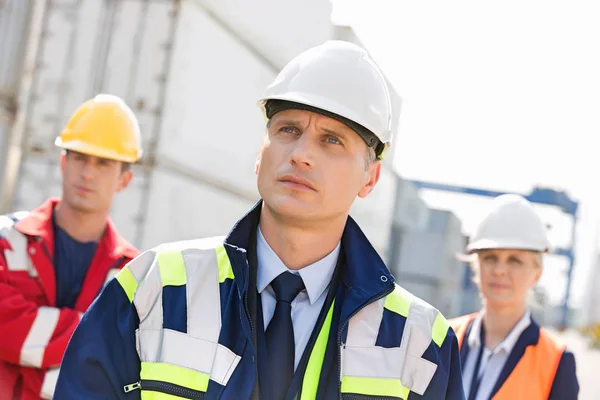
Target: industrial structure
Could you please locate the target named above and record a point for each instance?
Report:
(537, 196)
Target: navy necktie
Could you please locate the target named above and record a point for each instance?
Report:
(280, 334)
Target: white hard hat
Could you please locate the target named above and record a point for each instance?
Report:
(341, 79)
(512, 223)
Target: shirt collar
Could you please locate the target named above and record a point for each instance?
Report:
(509, 341)
(316, 276)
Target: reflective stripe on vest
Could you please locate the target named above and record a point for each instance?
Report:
(374, 370)
(312, 375)
(17, 258)
(184, 359)
(191, 359)
(111, 274)
(38, 337)
(533, 376)
(49, 383)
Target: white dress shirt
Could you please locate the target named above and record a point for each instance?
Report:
(307, 305)
(492, 361)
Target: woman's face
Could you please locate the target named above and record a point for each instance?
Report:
(506, 275)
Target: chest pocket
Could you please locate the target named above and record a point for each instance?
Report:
(178, 303)
(370, 371)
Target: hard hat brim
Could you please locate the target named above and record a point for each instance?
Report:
(85, 148)
(489, 244)
(318, 102)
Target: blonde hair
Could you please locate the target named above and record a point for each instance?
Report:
(473, 261)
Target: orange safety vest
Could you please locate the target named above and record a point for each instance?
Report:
(533, 375)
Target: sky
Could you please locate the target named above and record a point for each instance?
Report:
(496, 95)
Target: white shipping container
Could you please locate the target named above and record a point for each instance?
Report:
(181, 208)
(274, 30)
(6, 119)
(211, 122)
(193, 83)
(14, 24)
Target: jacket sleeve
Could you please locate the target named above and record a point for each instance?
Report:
(101, 358)
(30, 335)
(565, 385)
(447, 379)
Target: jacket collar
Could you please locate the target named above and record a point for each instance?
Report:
(365, 272)
(38, 223)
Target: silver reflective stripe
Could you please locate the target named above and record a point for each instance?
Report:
(50, 378)
(111, 274)
(372, 362)
(203, 293)
(416, 337)
(172, 347)
(363, 328)
(32, 352)
(177, 348)
(148, 299)
(198, 349)
(226, 362)
(140, 265)
(5, 222)
(17, 259)
(362, 358)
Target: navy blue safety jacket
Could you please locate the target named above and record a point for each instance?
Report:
(179, 321)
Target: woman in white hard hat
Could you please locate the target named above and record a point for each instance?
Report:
(504, 353)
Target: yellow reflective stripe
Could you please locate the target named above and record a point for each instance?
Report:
(225, 271)
(172, 268)
(310, 382)
(127, 282)
(439, 329)
(159, 396)
(398, 301)
(374, 387)
(174, 374)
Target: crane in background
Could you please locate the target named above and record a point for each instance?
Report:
(538, 195)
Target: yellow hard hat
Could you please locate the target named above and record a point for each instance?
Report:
(103, 127)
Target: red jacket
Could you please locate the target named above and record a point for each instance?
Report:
(33, 332)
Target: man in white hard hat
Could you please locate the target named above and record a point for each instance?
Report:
(505, 354)
(294, 302)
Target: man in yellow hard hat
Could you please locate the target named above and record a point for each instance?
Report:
(55, 260)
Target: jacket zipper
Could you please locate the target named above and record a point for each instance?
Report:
(131, 387)
(339, 339)
(164, 387)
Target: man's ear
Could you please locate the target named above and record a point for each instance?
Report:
(257, 163)
(372, 177)
(126, 177)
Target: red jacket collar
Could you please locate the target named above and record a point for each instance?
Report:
(39, 223)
